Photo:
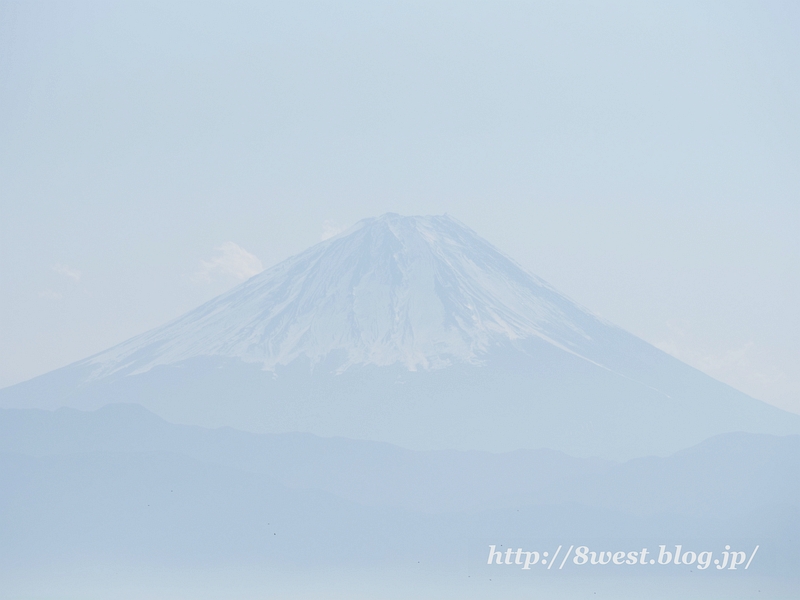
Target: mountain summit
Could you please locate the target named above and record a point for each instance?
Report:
(424, 292)
(416, 331)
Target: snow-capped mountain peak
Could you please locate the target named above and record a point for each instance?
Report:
(413, 331)
(421, 291)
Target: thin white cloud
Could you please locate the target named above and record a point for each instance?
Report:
(232, 260)
(744, 366)
(67, 272)
(330, 229)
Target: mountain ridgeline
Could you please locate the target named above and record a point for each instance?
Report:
(417, 332)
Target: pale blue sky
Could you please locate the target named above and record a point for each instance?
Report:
(642, 157)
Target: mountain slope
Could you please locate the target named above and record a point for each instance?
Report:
(415, 331)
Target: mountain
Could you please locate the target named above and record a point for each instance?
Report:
(420, 292)
(119, 485)
(724, 476)
(414, 331)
